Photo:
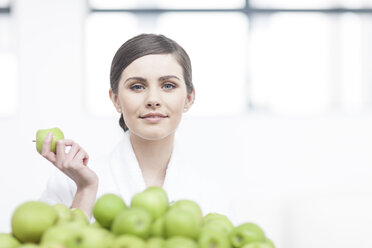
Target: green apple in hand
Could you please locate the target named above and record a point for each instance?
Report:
(31, 219)
(8, 241)
(106, 208)
(128, 241)
(136, 221)
(246, 233)
(153, 199)
(41, 135)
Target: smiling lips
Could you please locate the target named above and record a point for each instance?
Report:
(153, 117)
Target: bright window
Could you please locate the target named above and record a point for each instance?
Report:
(104, 35)
(288, 73)
(167, 4)
(4, 3)
(218, 60)
(314, 4)
(244, 59)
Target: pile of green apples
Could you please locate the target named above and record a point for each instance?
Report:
(150, 221)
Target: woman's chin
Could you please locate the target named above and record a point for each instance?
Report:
(153, 134)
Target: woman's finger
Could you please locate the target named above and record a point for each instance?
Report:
(46, 148)
(86, 158)
(75, 148)
(60, 150)
(82, 156)
(61, 147)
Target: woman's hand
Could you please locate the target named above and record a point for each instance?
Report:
(73, 163)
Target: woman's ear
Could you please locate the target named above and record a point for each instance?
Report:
(115, 100)
(189, 100)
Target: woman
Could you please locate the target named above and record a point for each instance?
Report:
(151, 88)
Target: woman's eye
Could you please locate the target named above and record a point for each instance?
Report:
(168, 86)
(136, 87)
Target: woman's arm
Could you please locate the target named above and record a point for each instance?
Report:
(73, 163)
(84, 199)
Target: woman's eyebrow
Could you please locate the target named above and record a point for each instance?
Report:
(164, 78)
(143, 80)
(140, 79)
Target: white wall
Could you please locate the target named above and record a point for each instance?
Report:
(305, 180)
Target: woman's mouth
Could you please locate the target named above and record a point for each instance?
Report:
(153, 117)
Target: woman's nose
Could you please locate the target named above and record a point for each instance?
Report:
(153, 99)
(153, 104)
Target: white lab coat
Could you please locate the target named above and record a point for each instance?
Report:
(119, 173)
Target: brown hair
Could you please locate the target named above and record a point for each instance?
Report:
(142, 45)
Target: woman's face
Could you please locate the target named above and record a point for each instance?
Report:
(152, 96)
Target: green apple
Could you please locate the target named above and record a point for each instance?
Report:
(155, 242)
(91, 237)
(190, 206)
(96, 224)
(159, 190)
(213, 238)
(153, 199)
(157, 227)
(42, 133)
(28, 245)
(257, 245)
(128, 241)
(180, 222)
(31, 219)
(64, 213)
(217, 221)
(136, 221)
(106, 208)
(77, 220)
(52, 245)
(215, 216)
(8, 241)
(180, 242)
(246, 233)
(60, 234)
(79, 216)
(76, 225)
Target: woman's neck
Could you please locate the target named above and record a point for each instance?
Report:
(153, 157)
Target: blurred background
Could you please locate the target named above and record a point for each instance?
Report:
(283, 106)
